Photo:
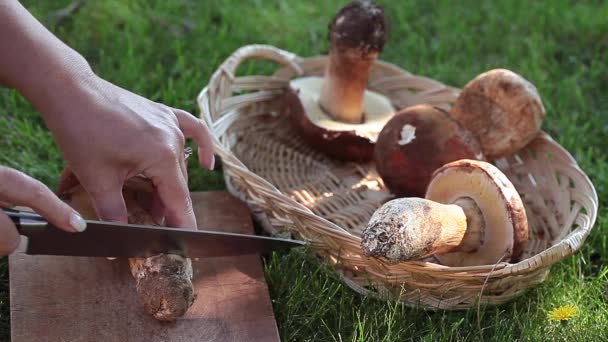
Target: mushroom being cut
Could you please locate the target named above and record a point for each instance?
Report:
(163, 282)
(415, 142)
(502, 109)
(471, 215)
(336, 114)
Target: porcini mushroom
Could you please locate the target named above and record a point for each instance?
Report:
(414, 143)
(336, 114)
(472, 215)
(502, 109)
(164, 281)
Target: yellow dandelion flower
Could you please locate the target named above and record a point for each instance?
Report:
(562, 313)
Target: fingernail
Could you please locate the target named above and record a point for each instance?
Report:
(77, 222)
(212, 165)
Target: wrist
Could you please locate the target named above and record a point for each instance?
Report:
(55, 79)
(33, 60)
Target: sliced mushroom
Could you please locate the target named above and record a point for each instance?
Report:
(417, 141)
(336, 114)
(472, 215)
(502, 109)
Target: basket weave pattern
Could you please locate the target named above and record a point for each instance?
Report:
(292, 189)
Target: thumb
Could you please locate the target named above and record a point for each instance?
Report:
(20, 189)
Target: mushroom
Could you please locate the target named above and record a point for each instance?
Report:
(336, 114)
(471, 215)
(502, 109)
(415, 142)
(163, 282)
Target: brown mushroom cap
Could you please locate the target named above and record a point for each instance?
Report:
(502, 109)
(415, 142)
(339, 140)
(505, 225)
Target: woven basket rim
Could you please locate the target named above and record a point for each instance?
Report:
(208, 102)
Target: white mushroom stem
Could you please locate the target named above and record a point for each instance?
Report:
(344, 85)
(473, 235)
(413, 228)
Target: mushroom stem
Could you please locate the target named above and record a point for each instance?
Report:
(357, 36)
(473, 236)
(411, 228)
(342, 91)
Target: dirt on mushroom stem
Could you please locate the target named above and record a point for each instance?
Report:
(407, 229)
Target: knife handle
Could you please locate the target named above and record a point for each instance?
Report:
(23, 218)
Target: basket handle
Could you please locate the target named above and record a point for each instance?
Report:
(221, 84)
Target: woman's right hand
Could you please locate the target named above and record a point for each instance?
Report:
(17, 188)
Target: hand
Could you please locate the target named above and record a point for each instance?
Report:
(17, 188)
(107, 135)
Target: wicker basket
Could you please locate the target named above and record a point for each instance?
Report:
(292, 189)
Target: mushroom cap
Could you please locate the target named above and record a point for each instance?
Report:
(505, 222)
(339, 140)
(359, 26)
(502, 109)
(415, 142)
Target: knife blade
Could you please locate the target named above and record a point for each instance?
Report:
(110, 239)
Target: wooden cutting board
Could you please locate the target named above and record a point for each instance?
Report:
(94, 299)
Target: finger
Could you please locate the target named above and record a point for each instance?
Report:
(20, 189)
(9, 237)
(196, 129)
(109, 202)
(173, 192)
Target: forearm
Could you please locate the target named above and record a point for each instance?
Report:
(33, 60)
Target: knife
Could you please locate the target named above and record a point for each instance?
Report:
(109, 239)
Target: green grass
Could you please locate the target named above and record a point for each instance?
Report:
(166, 50)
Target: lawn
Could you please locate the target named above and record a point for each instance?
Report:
(166, 50)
